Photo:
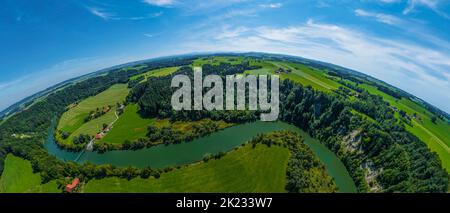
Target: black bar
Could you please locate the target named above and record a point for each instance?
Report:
(302, 202)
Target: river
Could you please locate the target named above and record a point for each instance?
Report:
(163, 156)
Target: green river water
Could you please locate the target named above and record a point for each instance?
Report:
(163, 156)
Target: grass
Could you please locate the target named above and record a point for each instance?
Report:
(267, 68)
(18, 177)
(216, 60)
(156, 73)
(299, 73)
(435, 135)
(261, 169)
(130, 126)
(307, 76)
(72, 121)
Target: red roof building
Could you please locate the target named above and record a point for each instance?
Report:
(98, 136)
(70, 187)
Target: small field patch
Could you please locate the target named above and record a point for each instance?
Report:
(156, 73)
(18, 177)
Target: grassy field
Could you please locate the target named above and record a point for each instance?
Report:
(156, 73)
(307, 76)
(130, 126)
(72, 120)
(216, 60)
(435, 135)
(299, 73)
(261, 169)
(18, 177)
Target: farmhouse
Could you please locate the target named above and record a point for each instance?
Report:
(98, 136)
(73, 185)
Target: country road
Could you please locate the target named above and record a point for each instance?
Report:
(90, 145)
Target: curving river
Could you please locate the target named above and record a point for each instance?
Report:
(222, 141)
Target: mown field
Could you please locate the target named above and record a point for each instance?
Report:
(299, 73)
(261, 169)
(130, 126)
(156, 73)
(72, 121)
(18, 177)
(216, 60)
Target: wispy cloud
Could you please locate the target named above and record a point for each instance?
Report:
(227, 32)
(430, 4)
(381, 17)
(108, 15)
(100, 13)
(390, 1)
(271, 5)
(415, 68)
(160, 2)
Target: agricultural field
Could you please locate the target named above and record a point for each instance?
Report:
(72, 121)
(156, 73)
(308, 76)
(299, 73)
(216, 60)
(247, 169)
(18, 177)
(130, 126)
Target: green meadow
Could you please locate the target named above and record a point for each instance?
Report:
(18, 177)
(308, 76)
(130, 126)
(72, 121)
(299, 73)
(216, 60)
(247, 169)
(156, 73)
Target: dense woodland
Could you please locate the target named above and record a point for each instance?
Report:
(405, 163)
(402, 162)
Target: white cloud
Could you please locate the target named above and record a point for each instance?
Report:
(100, 13)
(271, 5)
(230, 33)
(417, 69)
(381, 17)
(390, 1)
(107, 15)
(160, 2)
(430, 4)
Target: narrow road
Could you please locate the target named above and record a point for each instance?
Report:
(90, 145)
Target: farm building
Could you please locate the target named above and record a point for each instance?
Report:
(73, 185)
(99, 136)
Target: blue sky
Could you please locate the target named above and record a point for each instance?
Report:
(403, 42)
